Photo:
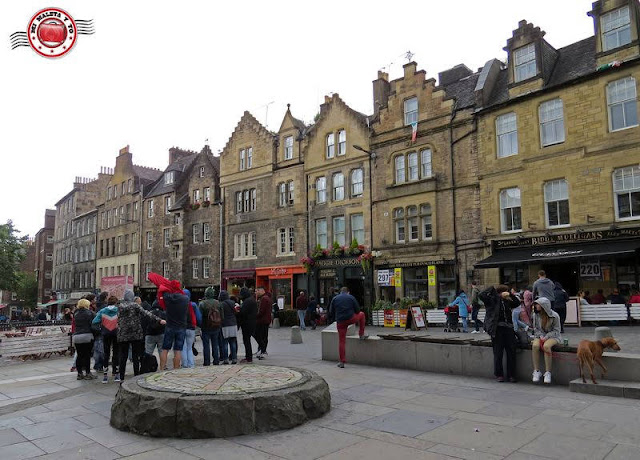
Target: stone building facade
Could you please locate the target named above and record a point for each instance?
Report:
(119, 218)
(83, 198)
(558, 152)
(44, 256)
(83, 248)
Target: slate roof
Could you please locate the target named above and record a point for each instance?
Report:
(179, 166)
(574, 61)
(147, 174)
(463, 91)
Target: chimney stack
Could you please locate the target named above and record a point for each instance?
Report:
(381, 90)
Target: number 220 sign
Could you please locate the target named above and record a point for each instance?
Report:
(590, 270)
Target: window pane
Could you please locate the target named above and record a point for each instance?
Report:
(425, 161)
(399, 167)
(338, 230)
(413, 166)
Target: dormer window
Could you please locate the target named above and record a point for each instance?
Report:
(168, 178)
(525, 63)
(288, 148)
(201, 171)
(616, 30)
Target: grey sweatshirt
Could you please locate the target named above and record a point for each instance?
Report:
(544, 287)
(553, 330)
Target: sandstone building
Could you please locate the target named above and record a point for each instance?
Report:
(44, 256)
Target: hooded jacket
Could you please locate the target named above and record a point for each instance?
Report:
(248, 310)
(164, 286)
(227, 305)
(153, 327)
(553, 328)
(543, 287)
(176, 305)
(495, 305)
(462, 301)
(264, 310)
(130, 316)
(107, 318)
(560, 296)
(345, 306)
(194, 318)
(205, 307)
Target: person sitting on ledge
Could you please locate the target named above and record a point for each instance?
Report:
(546, 330)
(347, 312)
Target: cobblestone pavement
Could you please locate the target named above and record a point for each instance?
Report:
(377, 413)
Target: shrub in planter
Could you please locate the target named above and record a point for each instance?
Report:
(288, 318)
(205, 204)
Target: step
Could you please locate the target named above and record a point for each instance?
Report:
(605, 387)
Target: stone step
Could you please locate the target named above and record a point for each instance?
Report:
(618, 388)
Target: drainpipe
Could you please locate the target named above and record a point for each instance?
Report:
(221, 239)
(453, 193)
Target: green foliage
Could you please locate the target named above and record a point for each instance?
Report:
(427, 305)
(11, 254)
(407, 302)
(27, 288)
(382, 305)
(288, 318)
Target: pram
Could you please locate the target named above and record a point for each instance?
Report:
(452, 319)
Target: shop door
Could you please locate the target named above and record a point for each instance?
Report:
(566, 274)
(281, 287)
(325, 290)
(353, 280)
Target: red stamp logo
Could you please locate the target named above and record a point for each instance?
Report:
(52, 33)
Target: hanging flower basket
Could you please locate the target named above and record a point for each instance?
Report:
(206, 204)
(195, 206)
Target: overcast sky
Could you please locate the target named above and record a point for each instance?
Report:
(158, 74)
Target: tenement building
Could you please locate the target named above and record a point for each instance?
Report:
(82, 199)
(426, 206)
(558, 141)
(181, 223)
(263, 189)
(44, 256)
(83, 248)
(337, 169)
(119, 221)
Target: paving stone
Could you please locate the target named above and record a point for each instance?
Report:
(568, 447)
(62, 441)
(414, 443)
(510, 410)
(424, 409)
(405, 423)
(10, 436)
(448, 402)
(466, 454)
(493, 439)
(567, 426)
(110, 437)
(138, 447)
(21, 451)
(395, 393)
(523, 456)
(222, 449)
(369, 449)
(15, 422)
(59, 414)
(92, 451)
(93, 419)
(339, 426)
(475, 417)
(45, 429)
(165, 452)
(624, 452)
(366, 409)
(623, 434)
(617, 414)
(567, 404)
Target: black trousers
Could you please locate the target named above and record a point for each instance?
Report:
(474, 316)
(504, 341)
(262, 337)
(83, 362)
(247, 332)
(110, 343)
(562, 312)
(137, 348)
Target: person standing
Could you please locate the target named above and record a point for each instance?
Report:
(83, 339)
(263, 320)
(347, 312)
(176, 305)
(107, 318)
(194, 318)
(546, 330)
(212, 317)
(499, 303)
(462, 302)
(476, 303)
(312, 311)
(543, 287)
(229, 328)
(560, 303)
(301, 306)
(154, 333)
(248, 316)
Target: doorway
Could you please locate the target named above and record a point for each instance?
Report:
(566, 274)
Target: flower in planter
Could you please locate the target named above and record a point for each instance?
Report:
(195, 205)
(308, 263)
(366, 260)
(206, 203)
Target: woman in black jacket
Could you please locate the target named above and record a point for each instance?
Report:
(559, 305)
(83, 338)
(499, 303)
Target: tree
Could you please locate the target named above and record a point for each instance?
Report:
(11, 254)
(27, 288)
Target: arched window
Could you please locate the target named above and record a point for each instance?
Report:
(357, 182)
(399, 169)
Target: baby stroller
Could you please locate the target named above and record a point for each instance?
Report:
(452, 319)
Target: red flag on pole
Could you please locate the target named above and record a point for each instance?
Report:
(414, 131)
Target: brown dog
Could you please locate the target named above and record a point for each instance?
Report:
(591, 352)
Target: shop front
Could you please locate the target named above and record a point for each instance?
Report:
(334, 273)
(587, 261)
(434, 281)
(283, 283)
(234, 280)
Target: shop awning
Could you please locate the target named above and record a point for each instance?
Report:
(557, 253)
(71, 301)
(54, 302)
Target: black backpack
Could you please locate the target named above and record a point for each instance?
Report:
(149, 363)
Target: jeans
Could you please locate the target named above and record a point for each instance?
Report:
(232, 352)
(151, 342)
(188, 360)
(137, 346)
(301, 319)
(110, 344)
(211, 341)
(83, 362)
(474, 316)
(98, 354)
(342, 331)
(464, 323)
(504, 341)
(262, 337)
(515, 318)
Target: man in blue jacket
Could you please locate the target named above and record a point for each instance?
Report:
(347, 312)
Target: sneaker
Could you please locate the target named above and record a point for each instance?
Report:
(547, 377)
(264, 353)
(225, 362)
(234, 361)
(341, 365)
(258, 354)
(117, 379)
(474, 332)
(80, 377)
(500, 379)
(89, 376)
(73, 369)
(105, 378)
(364, 337)
(536, 376)
(260, 358)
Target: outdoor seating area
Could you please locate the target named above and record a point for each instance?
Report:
(35, 342)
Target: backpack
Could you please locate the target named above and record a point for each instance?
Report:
(214, 319)
(149, 363)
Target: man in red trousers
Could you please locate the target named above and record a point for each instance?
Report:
(347, 312)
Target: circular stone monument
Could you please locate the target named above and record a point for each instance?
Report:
(219, 401)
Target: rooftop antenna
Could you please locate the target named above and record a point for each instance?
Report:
(409, 56)
(266, 113)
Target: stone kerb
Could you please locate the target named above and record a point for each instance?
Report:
(219, 401)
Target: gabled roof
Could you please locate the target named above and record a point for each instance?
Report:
(248, 119)
(361, 118)
(179, 167)
(147, 174)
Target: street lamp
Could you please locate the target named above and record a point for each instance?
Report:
(372, 155)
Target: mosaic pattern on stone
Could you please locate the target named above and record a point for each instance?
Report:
(237, 379)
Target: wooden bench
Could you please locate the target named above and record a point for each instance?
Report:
(604, 312)
(35, 346)
(439, 317)
(634, 311)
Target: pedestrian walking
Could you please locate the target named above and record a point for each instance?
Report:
(212, 316)
(107, 319)
(301, 307)
(248, 316)
(476, 303)
(83, 339)
(347, 312)
(263, 320)
(311, 313)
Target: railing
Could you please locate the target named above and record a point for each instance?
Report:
(8, 326)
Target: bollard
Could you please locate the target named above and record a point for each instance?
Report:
(296, 335)
(276, 323)
(602, 332)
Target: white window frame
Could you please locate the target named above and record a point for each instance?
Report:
(426, 170)
(613, 24)
(356, 231)
(399, 169)
(165, 269)
(321, 232)
(282, 194)
(195, 265)
(413, 222)
(166, 237)
(206, 232)
(555, 192)
(288, 148)
(282, 241)
(149, 241)
(290, 193)
(195, 231)
(330, 145)
(337, 186)
(167, 204)
(342, 142)
(626, 181)
(242, 159)
(206, 267)
(505, 204)
(426, 218)
(622, 93)
(149, 209)
(413, 173)
(246, 200)
(147, 270)
(201, 171)
(238, 202)
(168, 178)
(551, 113)
(207, 194)
(249, 157)
(357, 182)
(524, 63)
(253, 194)
(339, 234)
(321, 190)
(507, 135)
(196, 195)
(410, 113)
